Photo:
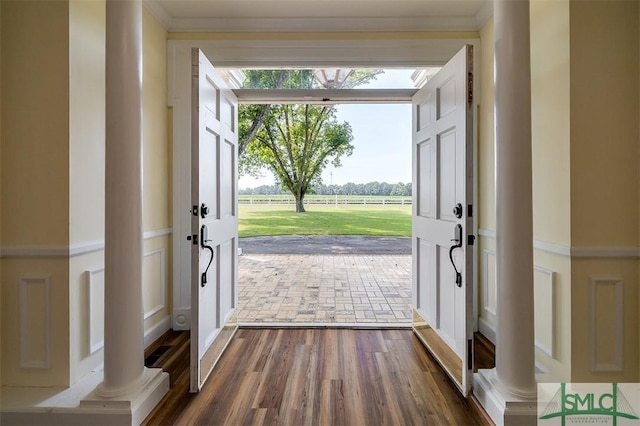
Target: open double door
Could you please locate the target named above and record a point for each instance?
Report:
(214, 217)
(442, 222)
(442, 217)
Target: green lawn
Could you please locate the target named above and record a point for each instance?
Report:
(256, 221)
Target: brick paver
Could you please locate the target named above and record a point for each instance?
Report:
(324, 288)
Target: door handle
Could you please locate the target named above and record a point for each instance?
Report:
(204, 234)
(457, 244)
(457, 211)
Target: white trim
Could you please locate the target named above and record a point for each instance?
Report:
(158, 12)
(93, 344)
(324, 96)
(577, 252)
(485, 281)
(157, 233)
(25, 335)
(606, 252)
(156, 331)
(264, 53)
(551, 349)
(483, 15)
(353, 325)
(552, 248)
(487, 330)
(618, 326)
(75, 249)
(333, 24)
(489, 233)
(163, 281)
(78, 249)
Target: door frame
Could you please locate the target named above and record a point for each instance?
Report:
(294, 53)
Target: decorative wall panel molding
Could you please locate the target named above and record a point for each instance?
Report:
(489, 284)
(35, 322)
(545, 320)
(154, 282)
(95, 309)
(606, 316)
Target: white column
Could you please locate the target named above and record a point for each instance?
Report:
(129, 391)
(508, 392)
(515, 356)
(124, 331)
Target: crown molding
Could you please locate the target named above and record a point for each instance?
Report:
(344, 24)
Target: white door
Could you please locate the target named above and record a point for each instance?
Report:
(442, 223)
(214, 223)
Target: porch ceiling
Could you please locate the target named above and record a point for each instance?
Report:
(320, 15)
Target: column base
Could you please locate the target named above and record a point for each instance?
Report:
(134, 406)
(502, 408)
(78, 404)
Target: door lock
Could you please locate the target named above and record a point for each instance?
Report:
(204, 210)
(457, 210)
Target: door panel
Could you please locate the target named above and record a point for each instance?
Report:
(214, 225)
(442, 167)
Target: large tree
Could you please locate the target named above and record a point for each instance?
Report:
(297, 142)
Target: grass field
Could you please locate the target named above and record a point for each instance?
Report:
(256, 221)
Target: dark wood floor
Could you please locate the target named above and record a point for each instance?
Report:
(314, 376)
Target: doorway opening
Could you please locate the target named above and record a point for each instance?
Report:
(347, 260)
(342, 263)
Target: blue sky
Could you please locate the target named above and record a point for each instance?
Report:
(381, 137)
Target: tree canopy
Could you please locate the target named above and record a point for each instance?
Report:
(296, 142)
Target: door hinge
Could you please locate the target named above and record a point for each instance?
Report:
(471, 239)
(470, 354)
(470, 75)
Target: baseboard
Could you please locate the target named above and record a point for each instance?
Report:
(156, 331)
(487, 330)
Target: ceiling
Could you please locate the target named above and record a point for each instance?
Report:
(320, 15)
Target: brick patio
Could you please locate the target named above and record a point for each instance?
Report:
(331, 289)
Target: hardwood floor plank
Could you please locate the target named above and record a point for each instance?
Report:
(313, 377)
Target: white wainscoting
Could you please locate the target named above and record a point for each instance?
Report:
(95, 309)
(606, 317)
(77, 249)
(489, 295)
(153, 273)
(154, 284)
(577, 252)
(35, 322)
(545, 321)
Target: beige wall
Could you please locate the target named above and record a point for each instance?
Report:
(550, 151)
(157, 196)
(585, 117)
(35, 197)
(53, 160)
(604, 127)
(157, 166)
(605, 183)
(35, 135)
(86, 170)
(550, 120)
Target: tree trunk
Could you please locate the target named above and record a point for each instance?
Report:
(299, 204)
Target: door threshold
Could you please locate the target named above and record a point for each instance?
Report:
(353, 325)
